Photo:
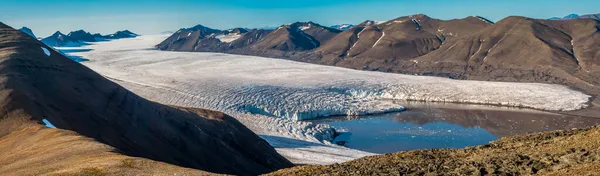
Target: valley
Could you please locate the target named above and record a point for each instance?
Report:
(269, 96)
(299, 88)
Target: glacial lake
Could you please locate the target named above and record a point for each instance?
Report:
(445, 125)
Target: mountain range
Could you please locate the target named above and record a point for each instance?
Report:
(98, 127)
(81, 37)
(515, 48)
(342, 27)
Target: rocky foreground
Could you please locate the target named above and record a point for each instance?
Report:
(574, 152)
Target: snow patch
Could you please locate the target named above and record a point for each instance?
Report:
(303, 28)
(417, 23)
(46, 51)
(482, 19)
(48, 124)
(378, 40)
(380, 22)
(357, 40)
(396, 21)
(229, 37)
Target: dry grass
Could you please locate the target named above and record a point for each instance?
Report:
(36, 150)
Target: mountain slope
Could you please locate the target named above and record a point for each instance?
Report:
(519, 49)
(37, 150)
(39, 84)
(400, 38)
(185, 39)
(299, 36)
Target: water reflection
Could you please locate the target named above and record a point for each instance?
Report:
(445, 125)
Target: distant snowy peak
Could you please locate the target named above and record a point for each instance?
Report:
(28, 31)
(342, 27)
(570, 16)
(81, 35)
(203, 29)
(121, 34)
(576, 16)
(58, 39)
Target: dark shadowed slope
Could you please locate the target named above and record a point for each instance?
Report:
(38, 83)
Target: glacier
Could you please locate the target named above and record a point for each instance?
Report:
(272, 96)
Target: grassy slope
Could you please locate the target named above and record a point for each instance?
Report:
(37, 150)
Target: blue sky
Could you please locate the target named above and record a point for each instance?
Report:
(154, 16)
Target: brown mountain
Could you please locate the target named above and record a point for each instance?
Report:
(204, 39)
(300, 36)
(518, 49)
(401, 38)
(107, 122)
(397, 39)
(286, 40)
(186, 39)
